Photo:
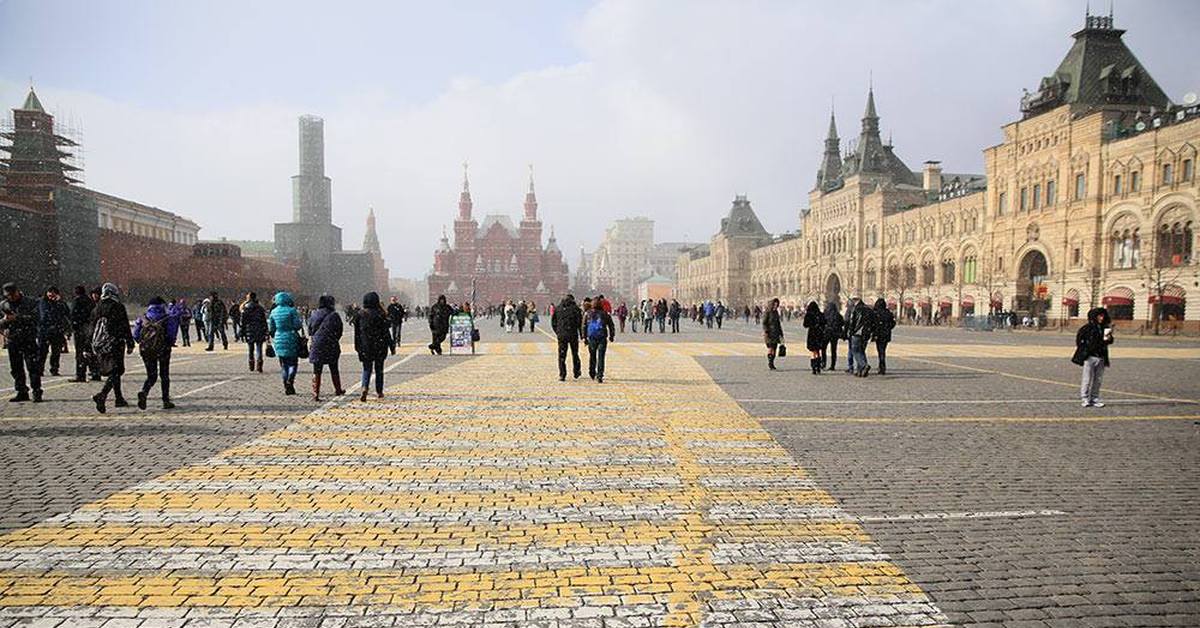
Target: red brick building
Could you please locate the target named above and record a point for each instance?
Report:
(504, 261)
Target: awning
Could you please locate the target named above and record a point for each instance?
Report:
(924, 301)
(1114, 300)
(908, 302)
(1167, 299)
(945, 303)
(1070, 301)
(967, 301)
(891, 302)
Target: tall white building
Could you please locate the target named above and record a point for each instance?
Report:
(622, 258)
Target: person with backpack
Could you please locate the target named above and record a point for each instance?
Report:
(814, 322)
(54, 320)
(1091, 352)
(81, 331)
(600, 332)
(772, 332)
(254, 330)
(111, 341)
(372, 342)
(283, 326)
(567, 323)
(215, 315)
(885, 322)
(858, 332)
(155, 332)
(325, 329)
(834, 329)
(19, 328)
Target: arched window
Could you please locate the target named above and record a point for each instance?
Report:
(970, 268)
(1126, 248)
(1175, 243)
(927, 273)
(948, 270)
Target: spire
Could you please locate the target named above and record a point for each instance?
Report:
(32, 103)
(870, 114)
(371, 238)
(832, 135)
(531, 204)
(464, 198)
(830, 172)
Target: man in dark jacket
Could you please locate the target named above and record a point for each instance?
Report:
(858, 332)
(81, 331)
(599, 332)
(20, 329)
(1091, 352)
(567, 323)
(396, 314)
(119, 338)
(885, 322)
(215, 316)
(372, 341)
(834, 329)
(54, 318)
(772, 331)
(254, 330)
(439, 324)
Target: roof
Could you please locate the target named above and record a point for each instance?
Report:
(32, 103)
(500, 219)
(742, 221)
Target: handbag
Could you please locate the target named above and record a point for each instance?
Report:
(474, 335)
(782, 351)
(302, 347)
(1081, 355)
(270, 350)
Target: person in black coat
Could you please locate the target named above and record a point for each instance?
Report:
(439, 324)
(325, 329)
(814, 322)
(834, 328)
(772, 331)
(885, 322)
(253, 330)
(20, 327)
(54, 320)
(396, 315)
(81, 331)
(112, 314)
(1091, 352)
(567, 323)
(372, 342)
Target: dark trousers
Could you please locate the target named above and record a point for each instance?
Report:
(596, 351)
(237, 334)
(881, 348)
(396, 333)
(158, 370)
(830, 352)
(375, 366)
(573, 345)
(185, 331)
(217, 330)
(51, 346)
(199, 330)
(113, 381)
(83, 347)
(22, 360)
(439, 337)
(675, 325)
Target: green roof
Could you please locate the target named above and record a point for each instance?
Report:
(32, 103)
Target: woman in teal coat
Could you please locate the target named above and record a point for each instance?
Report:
(284, 325)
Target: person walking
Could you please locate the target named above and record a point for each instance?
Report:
(510, 316)
(567, 322)
(81, 331)
(885, 322)
(674, 313)
(814, 322)
(54, 320)
(533, 316)
(396, 314)
(198, 319)
(20, 330)
(325, 330)
(439, 324)
(235, 317)
(660, 313)
(1091, 352)
(155, 332)
(111, 342)
(522, 312)
(648, 316)
(772, 332)
(600, 331)
(283, 326)
(185, 321)
(372, 342)
(622, 314)
(215, 315)
(858, 332)
(254, 330)
(851, 367)
(834, 328)
(720, 313)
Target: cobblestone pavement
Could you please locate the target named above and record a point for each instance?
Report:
(482, 494)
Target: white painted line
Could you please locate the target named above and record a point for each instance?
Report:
(993, 514)
(948, 402)
(207, 387)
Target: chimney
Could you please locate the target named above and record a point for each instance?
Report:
(933, 176)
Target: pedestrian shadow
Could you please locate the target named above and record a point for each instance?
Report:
(657, 380)
(116, 431)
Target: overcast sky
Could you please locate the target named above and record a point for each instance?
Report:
(662, 109)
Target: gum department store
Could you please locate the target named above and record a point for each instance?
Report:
(1090, 199)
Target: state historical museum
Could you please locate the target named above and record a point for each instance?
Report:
(503, 261)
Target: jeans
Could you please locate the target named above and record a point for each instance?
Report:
(564, 344)
(1093, 373)
(881, 349)
(236, 329)
(215, 330)
(375, 365)
(662, 325)
(675, 325)
(23, 358)
(158, 370)
(851, 358)
(288, 368)
(596, 351)
(254, 347)
(83, 347)
(858, 353)
(396, 333)
(51, 346)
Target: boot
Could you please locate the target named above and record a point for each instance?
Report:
(316, 387)
(771, 363)
(363, 396)
(252, 364)
(337, 384)
(259, 365)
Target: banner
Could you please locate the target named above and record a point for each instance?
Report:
(460, 334)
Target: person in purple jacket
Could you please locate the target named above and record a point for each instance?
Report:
(155, 333)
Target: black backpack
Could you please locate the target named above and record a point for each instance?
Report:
(153, 338)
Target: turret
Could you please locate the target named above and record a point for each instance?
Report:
(464, 198)
(829, 176)
(531, 204)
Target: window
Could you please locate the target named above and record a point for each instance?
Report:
(1037, 195)
(1002, 204)
(1126, 248)
(927, 276)
(1000, 264)
(1077, 256)
(1168, 174)
(970, 265)
(910, 274)
(1051, 192)
(1024, 199)
(1080, 186)
(1117, 184)
(1175, 244)
(948, 271)
(870, 278)
(1135, 181)
(1187, 170)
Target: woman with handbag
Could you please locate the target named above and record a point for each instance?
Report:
(814, 321)
(772, 332)
(372, 342)
(325, 329)
(283, 325)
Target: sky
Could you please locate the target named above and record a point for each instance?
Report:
(656, 108)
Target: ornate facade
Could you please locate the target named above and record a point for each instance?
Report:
(1090, 199)
(502, 260)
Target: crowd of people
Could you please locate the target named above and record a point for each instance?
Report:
(858, 326)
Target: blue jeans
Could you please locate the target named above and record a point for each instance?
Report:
(288, 368)
(253, 347)
(858, 353)
(375, 365)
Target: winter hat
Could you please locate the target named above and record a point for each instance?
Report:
(110, 291)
